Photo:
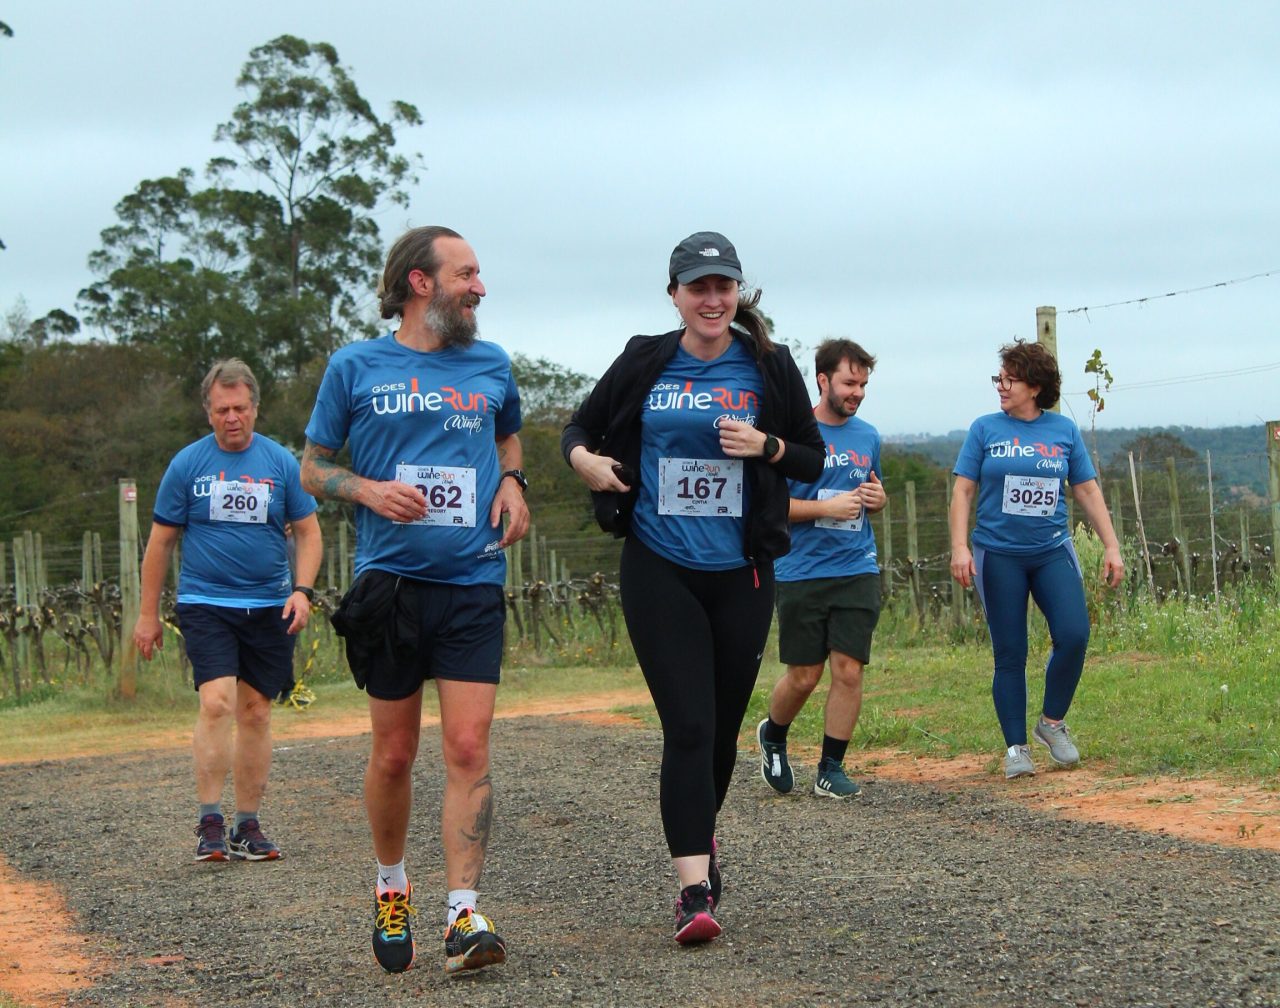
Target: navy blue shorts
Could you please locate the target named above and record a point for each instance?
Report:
(442, 631)
(250, 644)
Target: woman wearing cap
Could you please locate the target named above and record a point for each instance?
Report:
(1017, 462)
(687, 443)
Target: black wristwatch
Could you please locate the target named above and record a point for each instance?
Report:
(308, 593)
(771, 447)
(519, 476)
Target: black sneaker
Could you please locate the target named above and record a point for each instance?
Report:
(392, 936)
(212, 832)
(774, 767)
(695, 915)
(713, 875)
(470, 942)
(249, 844)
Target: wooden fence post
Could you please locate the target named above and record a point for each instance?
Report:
(97, 558)
(1142, 532)
(1047, 335)
(20, 599)
(957, 591)
(1175, 520)
(913, 550)
(1273, 484)
(1213, 530)
(344, 557)
(886, 568)
(130, 587)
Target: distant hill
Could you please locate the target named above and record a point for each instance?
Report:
(1239, 453)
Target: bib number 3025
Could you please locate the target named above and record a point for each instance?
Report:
(1031, 496)
(700, 488)
(450, 492)
(233, 501)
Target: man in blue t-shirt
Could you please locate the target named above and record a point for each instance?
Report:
(233, 497)
(431, 418)
(829, 584)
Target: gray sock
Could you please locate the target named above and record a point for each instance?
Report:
(242, 817)
(214, 809)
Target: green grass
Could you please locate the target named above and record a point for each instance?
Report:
(1180, 687)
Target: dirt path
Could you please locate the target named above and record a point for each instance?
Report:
(49, 960)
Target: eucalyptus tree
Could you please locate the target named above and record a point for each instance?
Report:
(280, 268)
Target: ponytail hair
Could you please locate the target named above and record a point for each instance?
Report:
(751, 320)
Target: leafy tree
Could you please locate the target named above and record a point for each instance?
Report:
(306, 133)
(275, 275)
(549, 392)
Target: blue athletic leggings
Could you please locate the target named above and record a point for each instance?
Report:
(1004, 582)
(699, 637)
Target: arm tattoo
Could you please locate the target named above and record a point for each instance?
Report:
(325, 477)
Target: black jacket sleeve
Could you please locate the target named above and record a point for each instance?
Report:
(805, 452)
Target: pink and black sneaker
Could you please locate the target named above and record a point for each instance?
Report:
(695, 918)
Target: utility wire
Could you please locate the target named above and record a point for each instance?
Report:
(1185, 379)
(1155, 297)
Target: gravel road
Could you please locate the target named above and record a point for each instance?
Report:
(913, 895)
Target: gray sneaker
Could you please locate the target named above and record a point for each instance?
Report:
(1017, 762)
(1062, 747)
(833, 782)
(774, 767)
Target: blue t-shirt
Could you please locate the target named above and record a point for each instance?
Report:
(232, 507)
(835, 548)
(693, 497)
(428, 419)
(1022, 468)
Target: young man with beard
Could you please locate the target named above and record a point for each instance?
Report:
(829, 584)
(431, 418)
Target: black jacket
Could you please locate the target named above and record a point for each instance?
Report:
(608, 423)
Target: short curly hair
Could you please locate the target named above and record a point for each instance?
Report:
(1033, 364)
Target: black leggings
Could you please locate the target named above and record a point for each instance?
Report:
(699, 636)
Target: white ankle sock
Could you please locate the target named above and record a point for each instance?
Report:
(459, 900)
(391, 878)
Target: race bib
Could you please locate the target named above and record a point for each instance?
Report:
(233, 501)
(450, 492)
(700, 488)
(842, 524)
(1031, 496)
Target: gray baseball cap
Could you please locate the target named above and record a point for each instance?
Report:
(706, 253)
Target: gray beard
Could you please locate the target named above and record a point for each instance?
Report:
(448, 323)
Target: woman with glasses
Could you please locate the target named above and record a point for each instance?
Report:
(1018, 462)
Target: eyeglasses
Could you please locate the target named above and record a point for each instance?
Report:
(1004, 384)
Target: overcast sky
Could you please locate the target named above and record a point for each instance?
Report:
(915, 176)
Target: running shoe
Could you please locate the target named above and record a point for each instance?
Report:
(392, 936)
(249, 844)
(695, 915)
(713, 875)
(833, 782)
(470, 942)
(774, 767)
(212, 832)
(1057, 738)
(1017, 762)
